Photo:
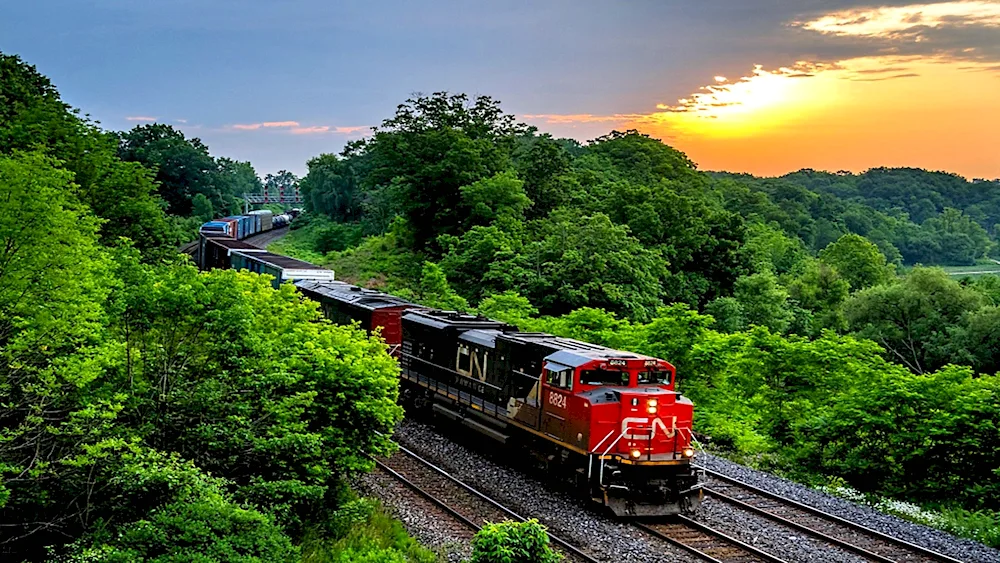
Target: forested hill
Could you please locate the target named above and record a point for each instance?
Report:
(914, 215)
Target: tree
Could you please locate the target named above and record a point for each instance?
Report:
(500, 196)
(237, 179)
(763, 302)
(183, 166)
(123, 194)
(432, 147)
(858, 260)
(587, 261)
(166, 509)
(434, 290)
(913, 318)
(544, 165)
(727, 313)
(202, 208)
(821, 290)
(331, 188)
(52, 353)
(513, 542)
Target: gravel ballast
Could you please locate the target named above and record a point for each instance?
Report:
(941, 542)
(427, 523)
(567, 517)
(609, 539)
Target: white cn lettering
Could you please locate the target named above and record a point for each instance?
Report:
(657, 423)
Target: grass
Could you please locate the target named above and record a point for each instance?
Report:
(980, 268)
(981, 525)
(361, 531)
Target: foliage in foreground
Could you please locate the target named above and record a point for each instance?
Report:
(513, 542)
(151, 409)
(361, 531)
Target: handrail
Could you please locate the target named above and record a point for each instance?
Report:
(590, 462)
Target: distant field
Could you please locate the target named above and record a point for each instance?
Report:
(973, 271)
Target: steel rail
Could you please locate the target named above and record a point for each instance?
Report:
(712, 532)
(923, 551)
(563, 544)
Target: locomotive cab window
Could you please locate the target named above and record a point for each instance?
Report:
(604, 377)
(562, 379)
(464, 361)
(654, 377)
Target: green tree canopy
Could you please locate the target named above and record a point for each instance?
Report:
(858, 261)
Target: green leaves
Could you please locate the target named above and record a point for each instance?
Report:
(513, 542)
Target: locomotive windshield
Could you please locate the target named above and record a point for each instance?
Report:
(604, 377)
(654, 377)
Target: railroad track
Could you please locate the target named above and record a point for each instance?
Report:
(849, 536)
(467, 505)
(706, 543)
(261, 240)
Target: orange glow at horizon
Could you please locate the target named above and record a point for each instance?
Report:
(853, 115)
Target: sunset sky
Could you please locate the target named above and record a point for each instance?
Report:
(766, 86)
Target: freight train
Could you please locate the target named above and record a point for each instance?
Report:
(610, 421)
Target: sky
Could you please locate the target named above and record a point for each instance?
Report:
(762, 86)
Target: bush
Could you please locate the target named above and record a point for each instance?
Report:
(513, 542)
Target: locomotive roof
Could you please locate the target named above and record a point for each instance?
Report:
(452, 319)
(481, 337)
(570, 352)
(347, 293)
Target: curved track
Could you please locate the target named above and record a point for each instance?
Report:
(261, 240)
(846, 535)
(467, 505)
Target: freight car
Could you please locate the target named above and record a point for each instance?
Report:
(239, 227)
(216, 252)
(282, 268)
(609, 420)
(344, 303)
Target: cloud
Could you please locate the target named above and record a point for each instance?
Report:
(905, 21)
(296, 128)
(266, 124)
(554, 118)
(891, 77)
(140, 118)
(959, 30)
(321, 129)
(181, 120)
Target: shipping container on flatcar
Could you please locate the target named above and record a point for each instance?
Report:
(266, 216)
(215, 252)
(344, 303)
(283, 268)
(219, 228)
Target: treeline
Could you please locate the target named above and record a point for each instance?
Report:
(149, 412)
(780, 300)
(914, 216)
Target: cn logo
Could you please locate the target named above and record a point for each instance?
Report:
(657, 423)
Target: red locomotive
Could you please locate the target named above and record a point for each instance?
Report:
(609, 420)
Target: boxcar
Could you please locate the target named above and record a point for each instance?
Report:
(281, 267)
(216, 251)
(265, 216)
(343, 303)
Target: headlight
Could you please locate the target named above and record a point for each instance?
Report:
(652, 402)
(651, 410)
(688, 452)
(636, 454)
